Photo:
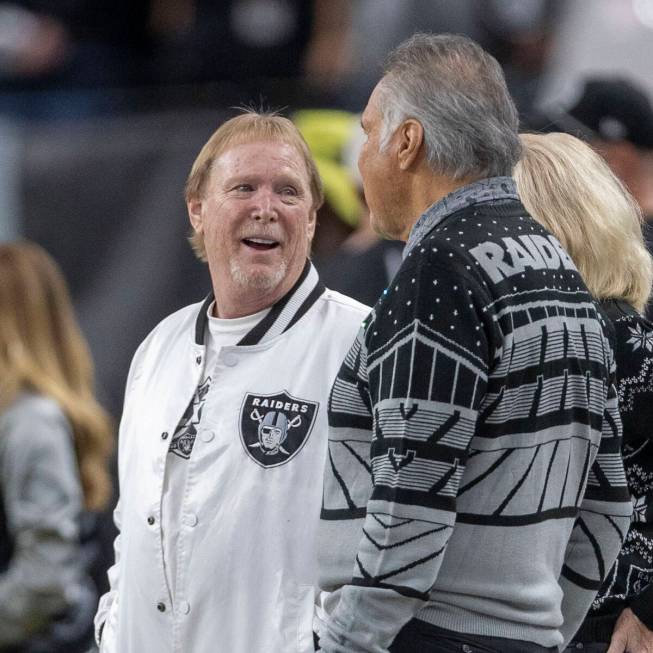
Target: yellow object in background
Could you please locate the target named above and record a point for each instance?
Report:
(327, 133)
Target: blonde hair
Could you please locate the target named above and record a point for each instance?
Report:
(569, 188)
(248, 127)
(43, 350)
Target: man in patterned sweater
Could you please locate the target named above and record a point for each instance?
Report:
(475, 496)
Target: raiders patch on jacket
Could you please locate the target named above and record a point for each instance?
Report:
(273, 428)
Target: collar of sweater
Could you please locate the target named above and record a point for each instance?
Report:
(494, 189)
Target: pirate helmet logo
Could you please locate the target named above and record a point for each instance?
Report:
(273, 431)
(274, 428)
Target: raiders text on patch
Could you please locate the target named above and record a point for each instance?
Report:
(273, 428)
(280, 405)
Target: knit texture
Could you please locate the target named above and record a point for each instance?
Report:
(479, 394)
(630, 581)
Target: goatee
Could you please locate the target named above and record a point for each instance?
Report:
(261, 280)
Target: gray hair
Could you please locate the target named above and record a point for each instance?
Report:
(458, 93)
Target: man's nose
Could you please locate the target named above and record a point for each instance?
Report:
(265, 209)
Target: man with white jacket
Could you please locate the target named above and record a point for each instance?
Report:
(223, 433)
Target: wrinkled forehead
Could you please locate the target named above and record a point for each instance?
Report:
(270, 144)
(254, 157)
(267, 151)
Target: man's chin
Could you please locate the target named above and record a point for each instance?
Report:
(258, 278)
(380, 228)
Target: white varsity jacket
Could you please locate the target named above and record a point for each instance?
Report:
(246, 553)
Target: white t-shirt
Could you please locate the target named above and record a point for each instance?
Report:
(220, 333)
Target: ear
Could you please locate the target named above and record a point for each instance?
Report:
(194, 207)
(310, 226)
(411, 137)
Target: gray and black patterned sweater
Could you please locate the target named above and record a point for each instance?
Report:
(474, 477)
(630, 581)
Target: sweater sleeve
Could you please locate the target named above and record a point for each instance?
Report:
(427, 363)
(43, 500)
(634, 357)
(601, 526)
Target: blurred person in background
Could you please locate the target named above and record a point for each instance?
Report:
(86, 58)
(567, 187)
(223, 433)
(517, 32)
(251, 42)
(69, 59)
(55, 441)
(614, 115)
(520, 34)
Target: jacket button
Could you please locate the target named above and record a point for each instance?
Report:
(206, 436)
(164, 435)
(150, 520)
(161, 606)
(191, 519)
(198, 360)
(231, 360)
(184, 607)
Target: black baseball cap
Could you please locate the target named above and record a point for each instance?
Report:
(609, 109)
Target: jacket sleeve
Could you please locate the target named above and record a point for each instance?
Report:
(600, 527)
(108, 599)
(419, 448)
(43, 500)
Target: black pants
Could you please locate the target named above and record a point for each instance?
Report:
(420, 637)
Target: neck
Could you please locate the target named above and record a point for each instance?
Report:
(242, 299)
(227, 309)
(248, 301)
(426, 189)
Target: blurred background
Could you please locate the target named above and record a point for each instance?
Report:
(104, 105)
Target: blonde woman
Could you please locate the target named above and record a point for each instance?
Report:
(569, 188)
(55, 441)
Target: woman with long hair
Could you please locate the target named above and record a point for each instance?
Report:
(570, 190)
(55, 442)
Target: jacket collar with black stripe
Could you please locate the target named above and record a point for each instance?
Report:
(283, 315)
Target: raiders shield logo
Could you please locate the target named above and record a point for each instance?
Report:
(273, 428)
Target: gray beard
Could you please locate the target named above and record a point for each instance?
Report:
(261, 280)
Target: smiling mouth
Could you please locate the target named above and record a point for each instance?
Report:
(260, 244)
